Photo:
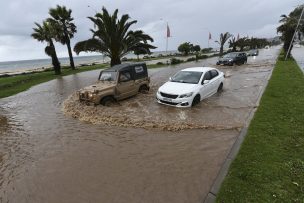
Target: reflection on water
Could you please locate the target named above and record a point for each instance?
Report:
(48, 157)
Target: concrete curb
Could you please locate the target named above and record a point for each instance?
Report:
(211, 196)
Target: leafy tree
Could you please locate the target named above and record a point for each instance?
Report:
(288, 26)
(113, 37)
(45, 33)
(196, 48)
(61, 17)
(223, 39)
(185, 48)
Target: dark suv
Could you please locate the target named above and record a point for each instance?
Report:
(233, 58)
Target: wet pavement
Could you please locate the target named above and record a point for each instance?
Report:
(46, 156)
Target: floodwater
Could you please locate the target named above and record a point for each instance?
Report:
(46, 156)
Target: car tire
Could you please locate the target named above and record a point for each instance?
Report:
(196, 100)
(220, 88)
(144, 89)
(107, 101)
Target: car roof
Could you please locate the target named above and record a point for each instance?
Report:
(198, 69)
(124, 66)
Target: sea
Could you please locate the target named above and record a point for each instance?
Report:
(25, 65)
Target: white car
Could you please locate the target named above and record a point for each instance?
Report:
(190, 86)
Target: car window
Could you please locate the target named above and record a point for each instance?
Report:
(124, 76)
(107, 76)
(214, 73)
(139, 69)
(207, 76)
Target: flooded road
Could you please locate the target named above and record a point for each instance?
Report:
(48, 157)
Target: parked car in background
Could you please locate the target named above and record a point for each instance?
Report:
(190, 86)
(233, 58)
(117, 83)
(253, 52)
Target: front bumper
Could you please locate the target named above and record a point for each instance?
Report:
(178, 102)
(225, 63)
(85, 97)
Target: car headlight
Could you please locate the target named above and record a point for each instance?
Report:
(90, 94)
(158, 92)
(186, 95)
(230, 60)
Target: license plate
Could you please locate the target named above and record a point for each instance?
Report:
(167, 99)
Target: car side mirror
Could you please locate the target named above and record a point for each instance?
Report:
(206, 81)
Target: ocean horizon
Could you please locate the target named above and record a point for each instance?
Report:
(23, 65)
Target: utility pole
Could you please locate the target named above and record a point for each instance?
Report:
(294, 34)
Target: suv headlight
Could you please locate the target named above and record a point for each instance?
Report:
(186, 95)
(90, 94)
(230, 60)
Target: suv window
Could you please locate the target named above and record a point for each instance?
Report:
(214, 73)
(124, 76)
(139, 69)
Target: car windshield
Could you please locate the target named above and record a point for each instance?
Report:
(187, 77)
(230, 55)
(108, 76)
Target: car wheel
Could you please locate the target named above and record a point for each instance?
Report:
(107, 101)
(196, 100)
(220, 88)
(144, 89)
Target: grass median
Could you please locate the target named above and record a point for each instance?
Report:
(14, 84)
(270, 164)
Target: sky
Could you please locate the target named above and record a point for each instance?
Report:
(189, 20)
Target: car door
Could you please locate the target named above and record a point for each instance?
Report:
(126, 85)
(215, 81)
(206, 88)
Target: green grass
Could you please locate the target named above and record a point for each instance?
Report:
(15, 84)
(270, 163)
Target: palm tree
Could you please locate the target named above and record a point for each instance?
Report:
(288, 26)
(45, 33)
(223, 39)
(242, 43)
(232, 43)
(66, 28)
(113, 38)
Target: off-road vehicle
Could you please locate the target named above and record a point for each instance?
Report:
(117, 83)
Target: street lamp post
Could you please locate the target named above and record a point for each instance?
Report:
(294, 34)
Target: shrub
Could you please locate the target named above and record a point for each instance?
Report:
(175, 61)
(159, 63)
(191, 59)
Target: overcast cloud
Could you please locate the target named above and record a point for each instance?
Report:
(189, 20)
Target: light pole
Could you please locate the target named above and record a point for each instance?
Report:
(294, 34)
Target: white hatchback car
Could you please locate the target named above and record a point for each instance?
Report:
(189, 86)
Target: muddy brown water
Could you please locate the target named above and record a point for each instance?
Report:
(46, 156)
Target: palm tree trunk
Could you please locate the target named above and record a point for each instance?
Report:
(221, 50)
(55, 60)
(70, 55)
(115, 61)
